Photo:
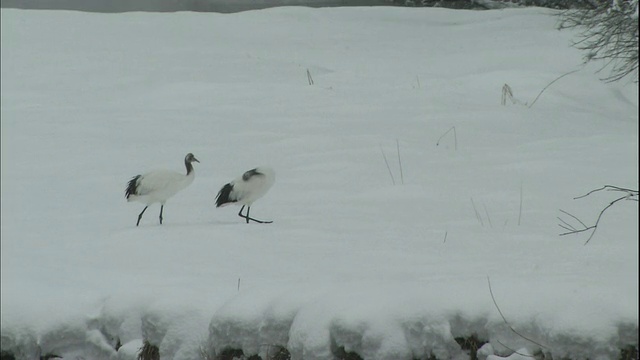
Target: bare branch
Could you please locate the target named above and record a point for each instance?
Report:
(576, 231)
(570, 228)
(595, 227)
(630, 195)
(578, 220)
(566, 225)
(505, 319)
(608, 33)
(609, 188)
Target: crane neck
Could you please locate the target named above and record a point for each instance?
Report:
(189, 167)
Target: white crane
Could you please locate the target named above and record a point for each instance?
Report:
(159, 185)
(246, 189)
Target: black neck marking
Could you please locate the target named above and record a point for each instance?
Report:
(189, 166)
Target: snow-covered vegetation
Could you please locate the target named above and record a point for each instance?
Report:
(413, 210)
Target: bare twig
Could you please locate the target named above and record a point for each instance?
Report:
(609, 34)
(487, 212)
(609, 188)
(566, 225)
(445, 237)
(594, 227)
(520, 211)
(578, 220)
(309, 78)
(631, 195)
(505, 319)
(477, 213)
(549, 84)
(388, 167)
(400, 162)
(455, 138)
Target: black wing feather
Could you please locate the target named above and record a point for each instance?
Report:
(132, 186)
(223, 195)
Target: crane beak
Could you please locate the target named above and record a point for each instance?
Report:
(194, 159)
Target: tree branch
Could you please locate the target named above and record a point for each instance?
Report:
(630, 194)
(609, 188)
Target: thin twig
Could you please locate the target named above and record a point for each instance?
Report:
(445, 237)
(566, 228)
(595, 226)
(577, 231)
(505, 319)
(477, 213)
(309, 78)
(487, 212)
(455, 138)
(520, 211)
(566, 225)
(556, 79)
(608, 34)
(578, 220)
(609, 188)
(388, 167)
(630, 195)
(400, 162)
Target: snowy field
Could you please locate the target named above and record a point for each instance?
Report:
(355, 261)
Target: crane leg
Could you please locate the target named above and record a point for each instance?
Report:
(247, 218)
(140, 216)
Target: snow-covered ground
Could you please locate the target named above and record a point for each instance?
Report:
(352, 261)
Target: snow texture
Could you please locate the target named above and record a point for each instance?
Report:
(390, 259)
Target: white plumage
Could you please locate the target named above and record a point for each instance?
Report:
(159, 186)
(246, 189)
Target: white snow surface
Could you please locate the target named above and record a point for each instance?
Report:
(389, 271)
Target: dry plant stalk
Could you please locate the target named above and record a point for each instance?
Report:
(309, 78)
